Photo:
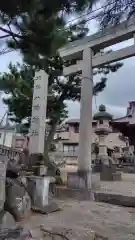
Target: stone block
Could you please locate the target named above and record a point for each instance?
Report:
(31, 185)
(38, 188)
(10, 233)
(40, 191)
(128, 169)
(117, 176)
(79, 180)
(18, 202)
(70, 193)
(75, 181)
(36, 160)
(97, 168)
(116, 199)
(109, 173)
(6, 220)
(3, 167)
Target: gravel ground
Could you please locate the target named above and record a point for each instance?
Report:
(84, 218)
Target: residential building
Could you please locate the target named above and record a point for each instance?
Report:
(68, 143)
(6, 135)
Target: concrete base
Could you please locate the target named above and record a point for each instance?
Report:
(109, 173)
(38, 189)
(6, 220)
(11, 233)
(97, 168)
(79, 180)
(70, 193)
(110, 177)
(49, 208)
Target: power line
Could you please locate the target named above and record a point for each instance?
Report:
(80, 17)
(95, 10)
(94, 17)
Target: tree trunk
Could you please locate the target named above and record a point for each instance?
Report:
(52, 167)
(50, 137)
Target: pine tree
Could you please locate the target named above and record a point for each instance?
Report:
(24, 21)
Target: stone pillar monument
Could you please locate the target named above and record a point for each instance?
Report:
(37, 130)
(38, 185)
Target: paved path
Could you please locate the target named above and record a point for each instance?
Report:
(106, 220)
(125, 187)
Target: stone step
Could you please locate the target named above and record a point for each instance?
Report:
(98, 196)
(114, 198)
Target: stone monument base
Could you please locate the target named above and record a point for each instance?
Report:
(38, 189)
(6, 220)
(108, 173)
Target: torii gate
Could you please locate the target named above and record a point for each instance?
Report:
(85, 50)
(82, 49)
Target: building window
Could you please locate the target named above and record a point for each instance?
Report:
(76, 129)
(70, 147)
(116, 149)
(65, 148)
(100, 121)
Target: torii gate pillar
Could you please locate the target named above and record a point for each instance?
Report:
(82, 179)
(84, 158)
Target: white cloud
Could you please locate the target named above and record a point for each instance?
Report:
(116, 111)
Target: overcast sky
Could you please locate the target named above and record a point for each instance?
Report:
(119, 91)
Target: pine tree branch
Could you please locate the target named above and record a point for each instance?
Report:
(10, 33)
(5, 36)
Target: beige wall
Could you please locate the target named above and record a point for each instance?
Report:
(111, 140)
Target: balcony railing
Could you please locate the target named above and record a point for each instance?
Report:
(10, 152)
(65, 153)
